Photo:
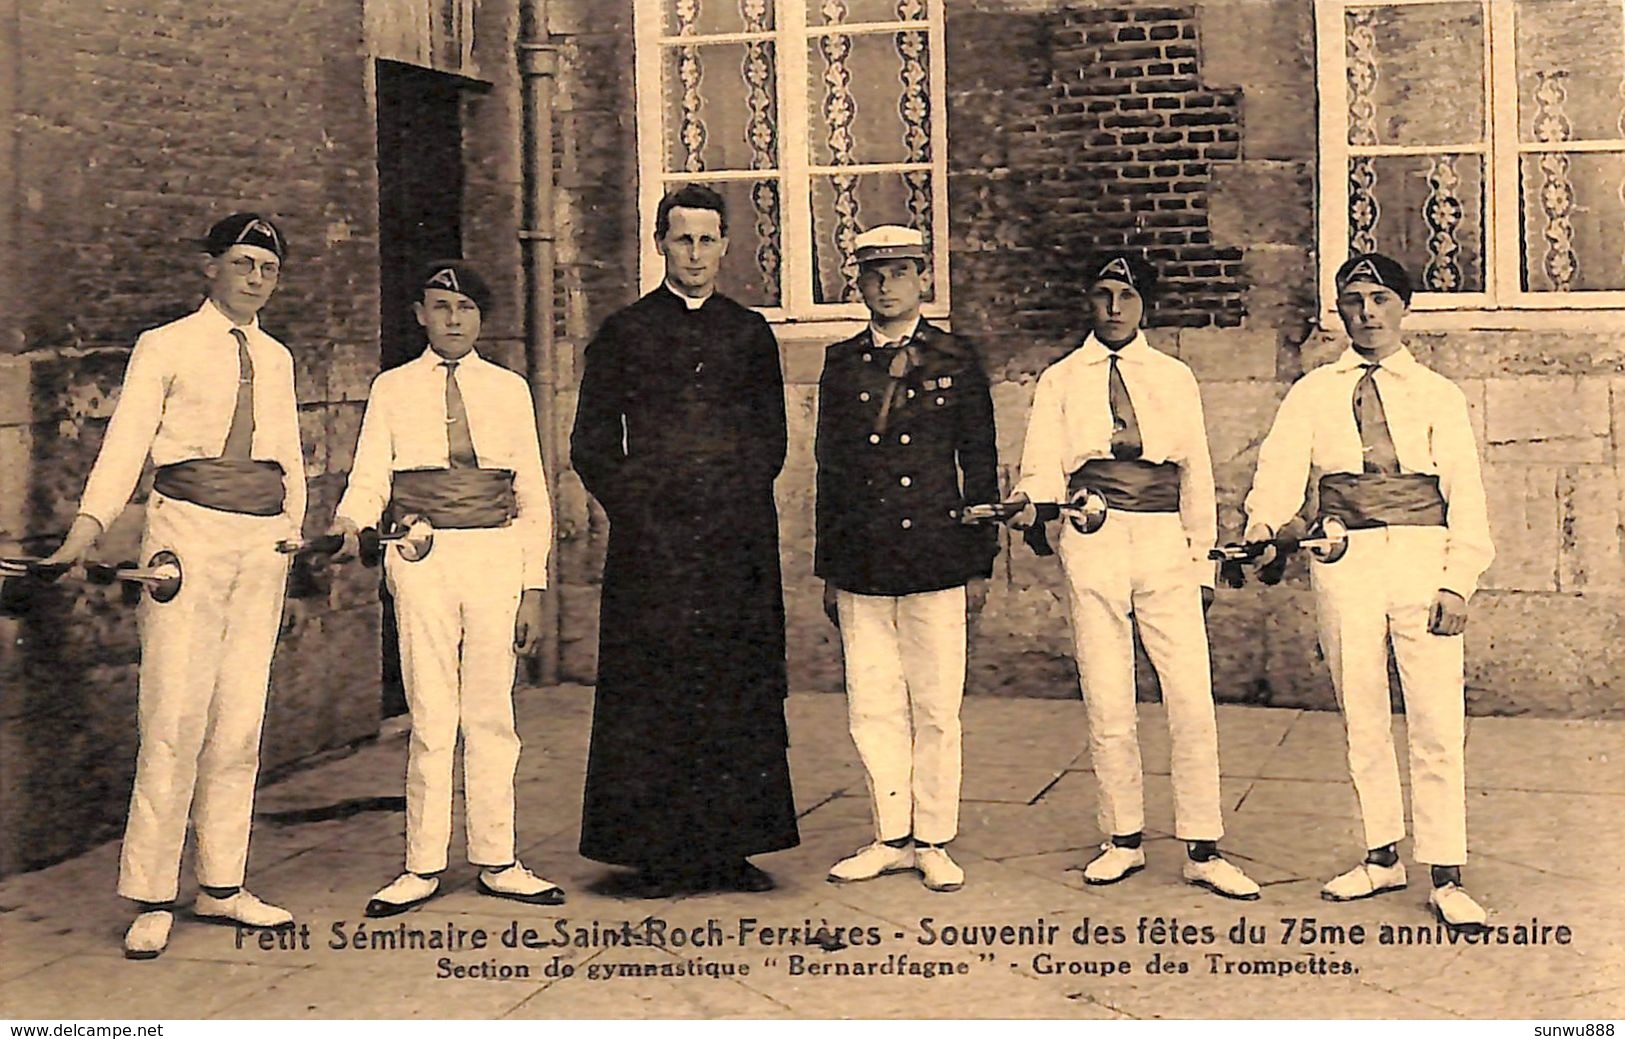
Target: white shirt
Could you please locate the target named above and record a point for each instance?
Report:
(882, 340)
(405, 428)
(1071, 423)
(1427, 418)
(176, 404)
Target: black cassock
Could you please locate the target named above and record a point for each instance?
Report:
(679, 434)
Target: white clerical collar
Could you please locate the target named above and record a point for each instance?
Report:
(882, 341)
(691, 302)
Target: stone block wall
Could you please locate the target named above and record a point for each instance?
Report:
(1545, 404)
(1188, 129)
(596, 210)
(129, 129)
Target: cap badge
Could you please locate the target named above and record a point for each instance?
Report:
(1365, 270)
(1117, 267)
(446, 278)
(257, 227)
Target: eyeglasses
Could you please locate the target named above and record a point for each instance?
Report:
(245, 266)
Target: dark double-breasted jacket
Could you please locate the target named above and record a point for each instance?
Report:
(890, 494)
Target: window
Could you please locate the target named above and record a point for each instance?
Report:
(1481, 143)
(814, 119)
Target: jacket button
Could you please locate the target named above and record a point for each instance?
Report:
(907, 523)
(874, 438)
(907, 481)
(910, 394)
(864, 396)
(868, 357)
(941, 401)
(904, 439)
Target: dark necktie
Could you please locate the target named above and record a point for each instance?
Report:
(1376, 442)
(1125, 427)
(459, 445)
(904, 361)
(240, 438)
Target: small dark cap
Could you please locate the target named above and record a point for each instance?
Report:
(456, 276)
(245, 229)
(1130, 268)
(1377, 269)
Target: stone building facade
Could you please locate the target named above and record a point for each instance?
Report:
(1193, 129)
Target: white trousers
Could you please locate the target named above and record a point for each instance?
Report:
(455, 610)
(1382, 591)
(1136, 569)
(205, 666)
(905, 679)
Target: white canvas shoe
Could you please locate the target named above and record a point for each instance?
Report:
(521, 885)
(874, 861)
(939, 871)
(1457, 910)
(1114, 863)
(1222, 878)
(1363, 881)
(241, 908)
(148, 935)
(406, 891)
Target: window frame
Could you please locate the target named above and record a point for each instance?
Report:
(791, 35)
(1503, 302)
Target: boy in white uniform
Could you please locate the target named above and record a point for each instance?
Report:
(452, 437)
(210, 399)
(1124, 419)
(1398, 465)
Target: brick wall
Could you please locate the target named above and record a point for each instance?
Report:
(145, 123)
(1124, 84)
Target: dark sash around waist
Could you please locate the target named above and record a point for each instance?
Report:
(455, 499)
(1366, 500)
(228, 484)
(1131, 485)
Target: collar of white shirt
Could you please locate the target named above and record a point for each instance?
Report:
(1401, 362)
(210, 311)
(883, 341)
(691, 302)
(1093, 351)
(431, 359)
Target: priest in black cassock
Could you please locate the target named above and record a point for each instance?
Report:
(679, 434)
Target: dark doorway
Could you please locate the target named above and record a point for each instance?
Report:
(420, 202)
(420, 193)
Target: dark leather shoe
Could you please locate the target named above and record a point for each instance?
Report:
(651, 885)
(745, 877)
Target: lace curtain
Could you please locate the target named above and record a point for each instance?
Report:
(1416, 99)
(867, 108)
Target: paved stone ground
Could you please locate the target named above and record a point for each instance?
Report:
(1545, 811)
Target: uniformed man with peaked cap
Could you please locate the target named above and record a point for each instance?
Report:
(905, 441)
